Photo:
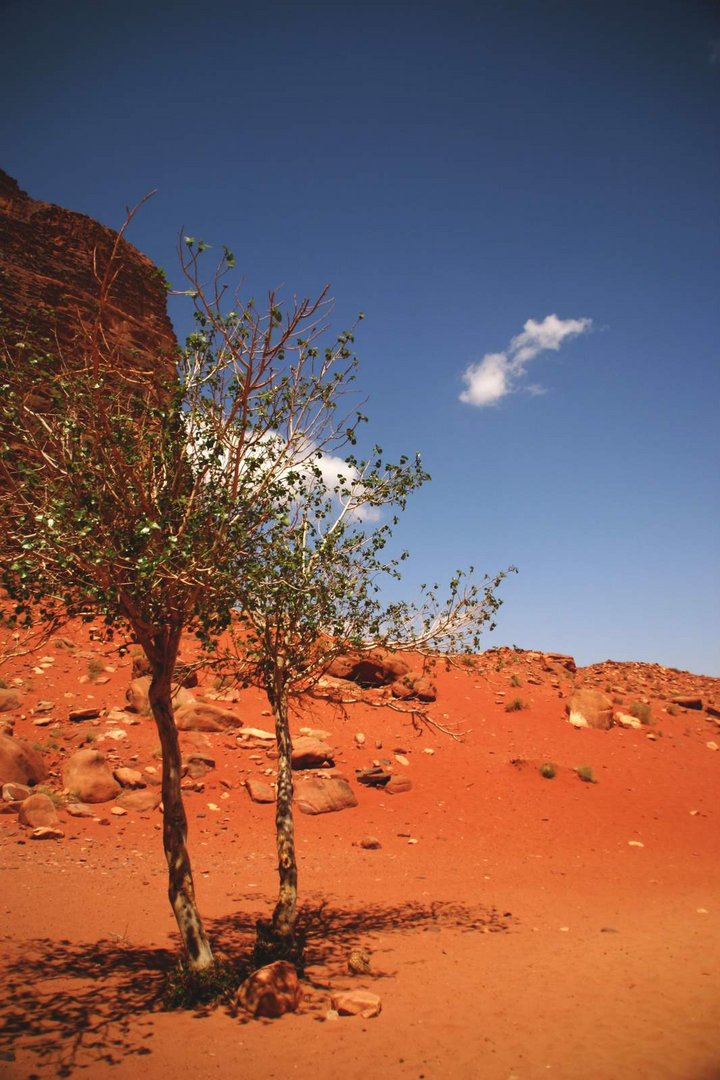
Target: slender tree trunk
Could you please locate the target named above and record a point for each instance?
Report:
(286, 908)
(180, 882)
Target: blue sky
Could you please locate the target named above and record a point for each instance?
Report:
(453, 170)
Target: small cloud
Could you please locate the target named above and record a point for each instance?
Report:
(497, 374)
(487, 381)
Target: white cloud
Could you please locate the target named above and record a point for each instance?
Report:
(497, 374)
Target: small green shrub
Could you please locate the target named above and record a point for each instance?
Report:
(95, 668)
(547, 770)
(641, 712)
(585, 773)
(515, 680)
(55, 796)
(516, 705)
(186, 989)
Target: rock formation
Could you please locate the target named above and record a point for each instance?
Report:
(50, 263)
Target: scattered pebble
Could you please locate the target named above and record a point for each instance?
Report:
(635, 843)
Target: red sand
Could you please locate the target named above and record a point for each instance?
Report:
(522, 935)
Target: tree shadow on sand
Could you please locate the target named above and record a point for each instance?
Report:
(71, 1005)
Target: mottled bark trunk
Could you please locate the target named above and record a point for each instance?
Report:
(180, 882)
(286, 908)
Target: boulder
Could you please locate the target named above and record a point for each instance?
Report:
(685, 701)
(357, 1003)
(271, 991)
(201, 716)
(315, 795)
(310, 753)
(260, 792)
(20, 763)
(37, 811)
(9, 700)
(87, 776)
(379, 667)
(140, 801)
(554, 659)
(414, 688)
(590, 708)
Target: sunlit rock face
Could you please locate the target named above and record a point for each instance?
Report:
(50, 261)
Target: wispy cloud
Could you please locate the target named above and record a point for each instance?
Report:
(499, 374)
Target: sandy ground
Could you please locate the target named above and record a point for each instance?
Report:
(519, 927)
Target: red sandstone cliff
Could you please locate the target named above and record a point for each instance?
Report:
(48, 286)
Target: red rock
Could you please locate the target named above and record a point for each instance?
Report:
(140, 801)
(15, 793)
(414, 687)
(87, 776)
(271, 991)
(379, 667)
(49, 285)
(47, 832)
(38, 810)
(78, 715)
(559, 660)
(357, 1003)
(396, 785)
(590, 708)
(129, 778)
(260, 792)
(201, 716)
(320, 796)
(310, 753)
(9, 699)
(686, 701)
(20, 763)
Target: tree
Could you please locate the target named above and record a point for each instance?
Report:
(136, 498)
(313, 592)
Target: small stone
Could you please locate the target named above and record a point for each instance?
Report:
(16, 793)
(635, 843)
(360, 739)
(402, 760)
(79, 810)
(46, 832)
(370, 843)
(118, 811)
(129, 778)
(356, 1003)
(78, 715)
(428, 750)
(44, 706)
(398, 784)
(712, 745)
